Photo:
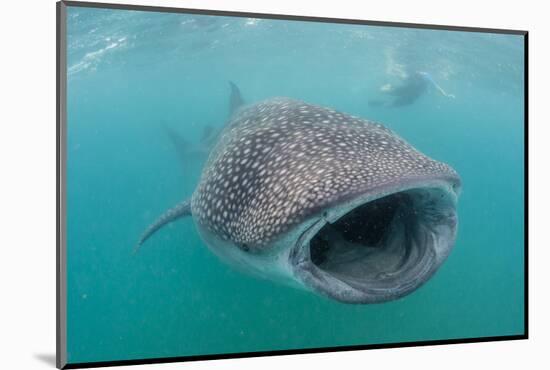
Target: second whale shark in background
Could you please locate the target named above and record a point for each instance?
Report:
(322, 200)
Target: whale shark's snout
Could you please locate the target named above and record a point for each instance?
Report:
(325, 201)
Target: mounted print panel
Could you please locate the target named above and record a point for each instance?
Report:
(236, 184)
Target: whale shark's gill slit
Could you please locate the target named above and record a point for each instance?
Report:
(369, 223)
(386, 245)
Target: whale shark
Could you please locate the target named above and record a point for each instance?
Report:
(199, 151)
(322, 200)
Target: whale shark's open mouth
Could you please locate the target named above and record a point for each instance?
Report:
(380, 249)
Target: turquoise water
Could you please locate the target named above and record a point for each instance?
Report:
(131, 72)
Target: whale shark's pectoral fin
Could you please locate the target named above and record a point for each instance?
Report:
(181, 210)
(235, 99)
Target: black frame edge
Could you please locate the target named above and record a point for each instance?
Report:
(61, 86)
(61, 104)
(228, 13)
(526, 183)
(290, 352)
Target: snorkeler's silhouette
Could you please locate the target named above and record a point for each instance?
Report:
(412, 87)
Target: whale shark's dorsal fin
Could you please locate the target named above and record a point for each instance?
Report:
(235, 99)
(181, 210)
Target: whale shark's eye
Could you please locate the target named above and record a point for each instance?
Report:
(245, 247)
(456, 187)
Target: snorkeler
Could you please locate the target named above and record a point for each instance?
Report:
(412, 87)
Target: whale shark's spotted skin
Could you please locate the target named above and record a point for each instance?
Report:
(279, 161)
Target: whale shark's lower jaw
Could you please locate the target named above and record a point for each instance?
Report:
(379, 247)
